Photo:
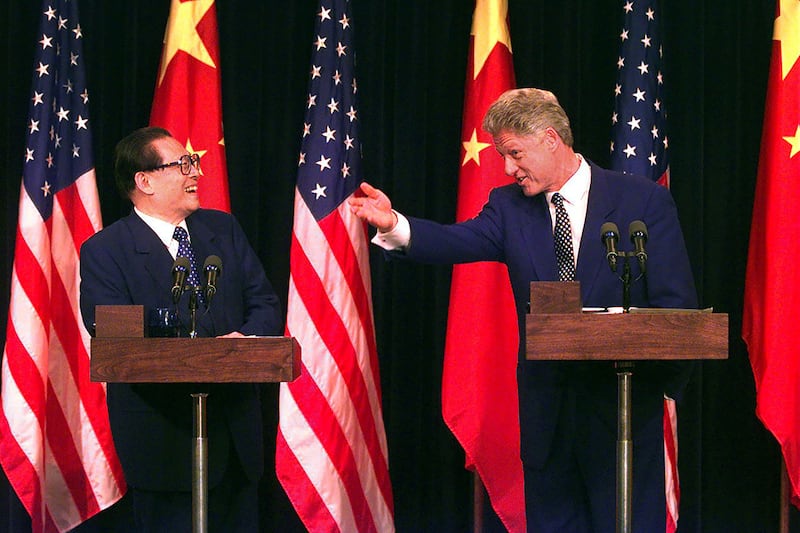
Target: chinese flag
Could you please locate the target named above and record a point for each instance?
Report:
(188, 97)
(479, 384)
(772, 287)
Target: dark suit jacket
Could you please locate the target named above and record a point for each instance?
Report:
(516, 230)
(151, 424)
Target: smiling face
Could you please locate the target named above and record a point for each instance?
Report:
(166, 193)
(532, 160)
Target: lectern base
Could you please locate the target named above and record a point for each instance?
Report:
(624, 447)
(200, 466)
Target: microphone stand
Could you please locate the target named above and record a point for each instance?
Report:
(624, 370)
(626, 280)
(193, 311)
(626, 284)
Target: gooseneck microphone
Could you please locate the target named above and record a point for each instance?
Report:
(212, 269)
(609, 233)
(180, 268)
(638, 233)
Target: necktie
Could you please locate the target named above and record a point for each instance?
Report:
(185, 250)
(562, 237)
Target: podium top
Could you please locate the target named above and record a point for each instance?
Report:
(626, 336)
(121, 355)
(561, 331)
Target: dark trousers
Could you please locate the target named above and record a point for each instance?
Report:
(575, 491)
(232, 507)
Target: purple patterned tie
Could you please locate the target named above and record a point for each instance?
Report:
(185, 250)
(562, 237)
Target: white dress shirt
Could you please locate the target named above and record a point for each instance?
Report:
(164, 231)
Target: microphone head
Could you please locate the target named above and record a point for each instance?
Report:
(180, 268)
(181, 263)
(609, 230)
(213, 262)
(637, 229)
(609, 234)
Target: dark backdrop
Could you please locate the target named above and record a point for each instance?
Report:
(411, 67)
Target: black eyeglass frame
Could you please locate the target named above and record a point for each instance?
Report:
(186, 162)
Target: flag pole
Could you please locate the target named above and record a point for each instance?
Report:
(783, 521)
(478, 499)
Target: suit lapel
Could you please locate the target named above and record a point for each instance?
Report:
(591, 258)
(537, 232)
(154, 257)
(204, 243)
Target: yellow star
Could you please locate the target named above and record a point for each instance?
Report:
(473, 149)
(182, 33)
(787, 31)
(489, 28)
(201, 153)
(794, 141)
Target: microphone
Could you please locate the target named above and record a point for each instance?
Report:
(609, 233)
(638, 233)
(212, 269)
(179, 270)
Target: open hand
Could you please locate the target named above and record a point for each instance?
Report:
(375, 208)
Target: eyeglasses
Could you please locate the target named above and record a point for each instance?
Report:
(186, 162)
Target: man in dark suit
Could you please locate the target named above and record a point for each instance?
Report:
(130, 262)
(567, 410)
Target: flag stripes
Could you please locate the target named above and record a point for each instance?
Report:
(671, 482)
(326, 287)
(55, 442)
(331, 439)
(46, 388)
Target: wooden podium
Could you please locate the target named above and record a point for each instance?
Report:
(121, 354)
(559, 330)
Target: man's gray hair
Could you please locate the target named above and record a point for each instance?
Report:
(525, 112)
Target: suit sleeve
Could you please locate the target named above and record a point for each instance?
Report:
(670, 284)
(262, 309)
(669, 276)
(478, 239)
(102, 281)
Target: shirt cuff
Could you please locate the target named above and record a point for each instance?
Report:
(396, 238)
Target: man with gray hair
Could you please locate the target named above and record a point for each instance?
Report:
(546, 227)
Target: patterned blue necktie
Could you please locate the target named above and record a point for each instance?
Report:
(185, 250)
(562, 238)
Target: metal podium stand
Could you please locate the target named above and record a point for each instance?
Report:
(557, 330)
(121, 354)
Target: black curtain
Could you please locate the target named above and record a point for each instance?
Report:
(411, 73)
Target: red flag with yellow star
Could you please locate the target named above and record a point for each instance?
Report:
(188, 97)
(479, 385)
(772, 289)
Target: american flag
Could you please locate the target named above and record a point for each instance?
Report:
(55, 441)
(332, 457)
(640, 146)
(639, 136)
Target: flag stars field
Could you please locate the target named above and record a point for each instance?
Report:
(331, 451)
(638, 95)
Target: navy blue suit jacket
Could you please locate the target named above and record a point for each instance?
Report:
(126, 263)
(517, 230)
